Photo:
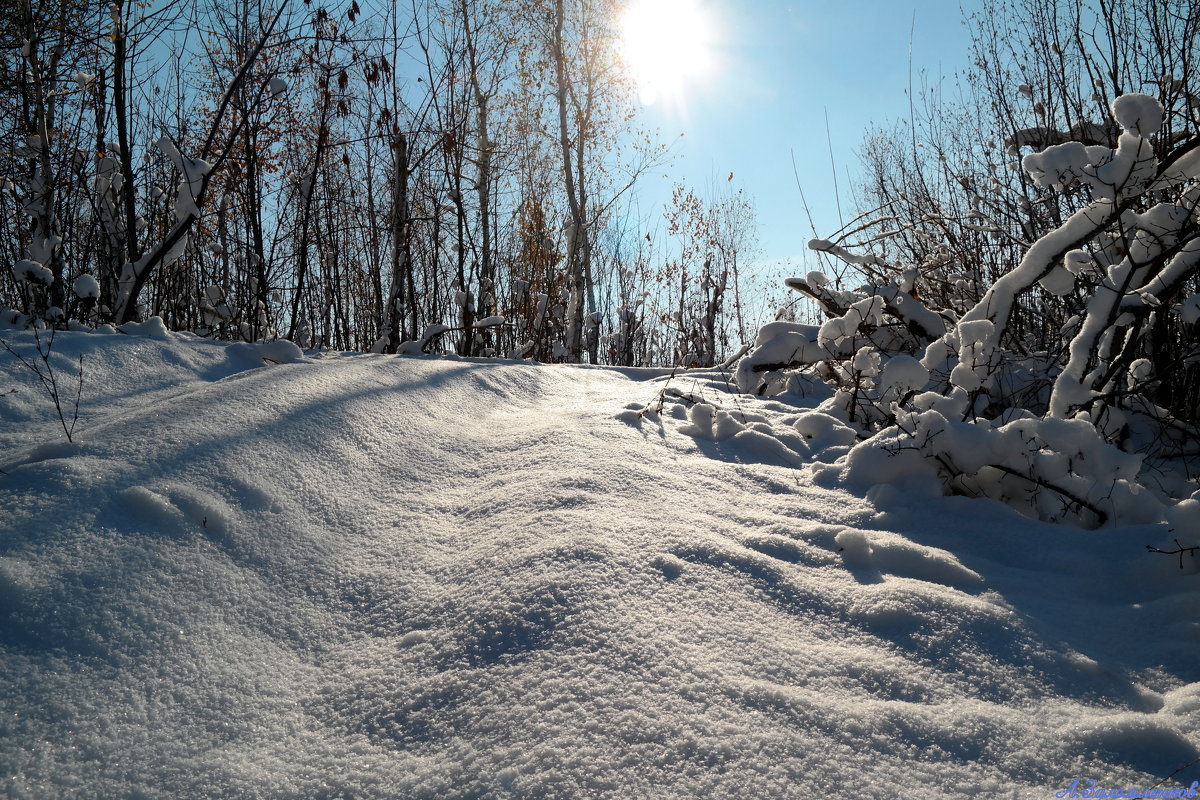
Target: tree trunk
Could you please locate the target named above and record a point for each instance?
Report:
(393, 315)
(577, 229)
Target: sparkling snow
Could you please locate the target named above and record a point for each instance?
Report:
(260, 573)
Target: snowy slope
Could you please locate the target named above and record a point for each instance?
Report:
(396, 577)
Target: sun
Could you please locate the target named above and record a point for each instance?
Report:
(665, 43)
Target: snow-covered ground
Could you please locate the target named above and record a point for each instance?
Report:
(349, 576)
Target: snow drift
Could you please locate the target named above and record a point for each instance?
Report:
(381, 577)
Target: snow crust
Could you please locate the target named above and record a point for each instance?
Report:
(281, 575)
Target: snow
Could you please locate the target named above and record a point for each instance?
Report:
(902, 374)
(1059, 282)
(153, 328)
(417, 346)
(490, 322)
(780, 344)
(1139, 114)
(1111, 174)
(259, 572)
(1185, 168)
(1189, 309)
(86, 286)
(826, 246)
(868, 311)
(997, 303)
(30, 271)
(195, 175)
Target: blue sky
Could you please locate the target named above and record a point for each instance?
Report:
(780, 67)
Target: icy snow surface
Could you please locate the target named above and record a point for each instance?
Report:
(257, 574)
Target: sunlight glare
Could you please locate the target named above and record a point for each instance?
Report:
(664, 43)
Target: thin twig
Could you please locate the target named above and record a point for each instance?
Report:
(48, 379)
(1103, 517)
(1179, 550)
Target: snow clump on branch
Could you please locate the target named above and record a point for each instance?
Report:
(966, 400)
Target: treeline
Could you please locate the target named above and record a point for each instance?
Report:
(449, 175)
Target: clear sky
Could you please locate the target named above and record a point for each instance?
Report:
(778, 68)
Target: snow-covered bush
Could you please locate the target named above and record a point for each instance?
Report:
(1072, 427)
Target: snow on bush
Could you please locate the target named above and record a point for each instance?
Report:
(780, 345)
(418, 346)
(1139, 114)
(153, 328)
(966, 399)
(30, 271)
(86, 287)
(489, 322)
